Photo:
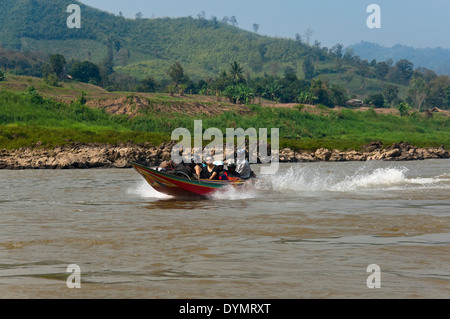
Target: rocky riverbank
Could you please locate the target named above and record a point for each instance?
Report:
(79, 155)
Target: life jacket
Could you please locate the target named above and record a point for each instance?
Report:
(224, 176)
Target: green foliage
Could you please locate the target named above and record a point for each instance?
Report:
(376, 99)
(308, 69)
(82, 100)
(239, 93)
(2, 75)
(148, 85)
(179, 77)
(307, 97)
(19, 63)
(51, 79)
(391, 93)
(57, 63)
(86, 72)
(403, 108)
(27, 117)
(236, 73)
(320, 89)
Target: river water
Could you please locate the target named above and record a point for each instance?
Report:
(310, 231)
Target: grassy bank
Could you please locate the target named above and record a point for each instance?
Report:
(27, 118)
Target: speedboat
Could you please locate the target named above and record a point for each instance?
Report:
(175, 185)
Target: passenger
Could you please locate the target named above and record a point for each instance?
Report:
(210, 171)
(222, 173)
(231, 169)
(198, 166)
(185, 169)
(242, 165)
(166, 166)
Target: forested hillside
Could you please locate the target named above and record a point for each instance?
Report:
(201, 55)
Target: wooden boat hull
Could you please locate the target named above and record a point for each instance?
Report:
(174, 185)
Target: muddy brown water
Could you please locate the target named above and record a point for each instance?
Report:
(310, 231)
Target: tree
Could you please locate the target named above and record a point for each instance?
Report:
(256, 27)
(376, 99)
(438, 93)
(86, 72)
(348, 54)
(139, 16)
(381, 70)
(272, 91)
(51, 79)
(308, 68)
(215, 22)
(308, 35)
(148, 85)
(202, 19)
(321, 91)
(403, 108)
(221, 82)
(338, 94)
(202, 15)
(57, 64)
(307, 97)
(108, 62)
(233, 21)
(236, 73)
(402, 72)
(177, 75)
(417, 92)
(391, 93)
(337, 49)
(239, 93)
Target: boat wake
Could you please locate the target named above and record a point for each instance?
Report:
(301, 179)
(320, 179)
(144, 190)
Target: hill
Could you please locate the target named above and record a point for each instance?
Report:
(436, 59)
(137, 49)
(136, 54)
(204, 47)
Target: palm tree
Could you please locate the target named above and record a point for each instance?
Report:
(236, 73)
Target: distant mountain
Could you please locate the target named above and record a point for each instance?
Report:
(436, 59)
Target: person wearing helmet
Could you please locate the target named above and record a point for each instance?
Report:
(242, 165)
(222, 172)
(231, 169)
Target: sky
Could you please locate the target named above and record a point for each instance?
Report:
(416, 23)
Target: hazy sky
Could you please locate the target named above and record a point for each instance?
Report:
(418, 23)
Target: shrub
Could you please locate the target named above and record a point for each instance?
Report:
(403, 108)
(51, 79)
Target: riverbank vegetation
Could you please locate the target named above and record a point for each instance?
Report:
(29, 119)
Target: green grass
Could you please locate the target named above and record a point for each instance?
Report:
(14, 136)
(27, 117)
